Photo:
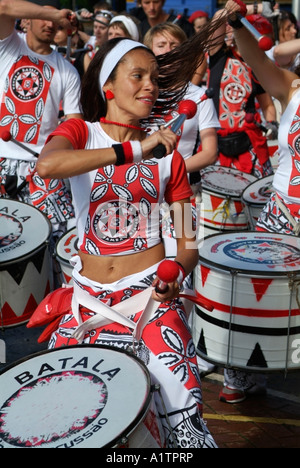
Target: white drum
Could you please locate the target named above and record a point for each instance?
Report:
(25, 264)
(66, 248)
(77, 397)
(255, 197)
(251, 279)
(222, 207)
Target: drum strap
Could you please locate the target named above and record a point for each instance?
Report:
(284, 209)
(118, 313)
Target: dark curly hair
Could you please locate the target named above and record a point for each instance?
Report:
(176, 69)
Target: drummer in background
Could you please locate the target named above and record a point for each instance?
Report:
(242, 144)
(198, 19)
(281, 213)
(124, 26)
(79, 57)
(100, 30)
(37, 79)
(108, 159)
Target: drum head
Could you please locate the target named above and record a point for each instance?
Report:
(23, 229)
(77, 396)
(258, 192)
(265, 254)
(67, 246)
(225, 180)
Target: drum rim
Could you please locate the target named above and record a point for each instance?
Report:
(232, 169)
(142, 411)
(253, 273)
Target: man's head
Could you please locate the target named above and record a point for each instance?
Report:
(152, 8)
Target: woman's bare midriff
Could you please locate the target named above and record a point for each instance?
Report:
(107, 269)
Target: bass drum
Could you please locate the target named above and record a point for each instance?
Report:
(251, 280)
(25, 262)
(78, 396)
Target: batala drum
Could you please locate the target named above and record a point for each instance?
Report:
(66, 248)
(252, 280)
(78, 397)
(222, 207)
(255, 196)
(25, 266)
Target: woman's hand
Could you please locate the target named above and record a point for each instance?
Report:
(163, 136)
(171, 293)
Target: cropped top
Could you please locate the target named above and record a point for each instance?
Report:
(117, 208)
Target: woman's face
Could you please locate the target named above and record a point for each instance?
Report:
(163, 43)
(288, 31)
(101, 30)
(135, 86)
(116, 31)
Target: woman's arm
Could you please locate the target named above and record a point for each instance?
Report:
(208, 154)
(187, 252)
(275, 80)
(58, 159)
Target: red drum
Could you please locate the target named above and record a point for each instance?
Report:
(66, 248)
(222, 207)
(25, 264)
(77, 396)
(252, 281)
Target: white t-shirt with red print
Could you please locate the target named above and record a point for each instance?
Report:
(117, 207)
(33, 87)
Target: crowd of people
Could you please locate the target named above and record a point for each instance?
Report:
(87, 95)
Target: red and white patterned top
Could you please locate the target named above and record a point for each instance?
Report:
(117, 207)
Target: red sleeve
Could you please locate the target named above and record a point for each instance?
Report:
(178, 186)
(75, 130)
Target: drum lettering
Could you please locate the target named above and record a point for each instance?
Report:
(64, 360)
(296, 353)
(15, 213)
(12, 247)
(82, 363)
(95, 368)
(24, 377)
(45, 368)
(111, 373)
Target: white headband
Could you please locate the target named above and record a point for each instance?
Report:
(129, 25)
(113, 58)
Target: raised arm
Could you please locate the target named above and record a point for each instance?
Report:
(275, 80)
(10, 10)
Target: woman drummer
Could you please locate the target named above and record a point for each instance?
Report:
(117, 188)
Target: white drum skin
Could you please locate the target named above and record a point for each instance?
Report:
(255, 197)
(251, 280)
(76, 396)
(222, 207)
(25, 263)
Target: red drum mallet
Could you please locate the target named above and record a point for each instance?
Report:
(7, 136)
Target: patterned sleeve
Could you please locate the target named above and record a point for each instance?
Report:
(75, 130)
(178, 186)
